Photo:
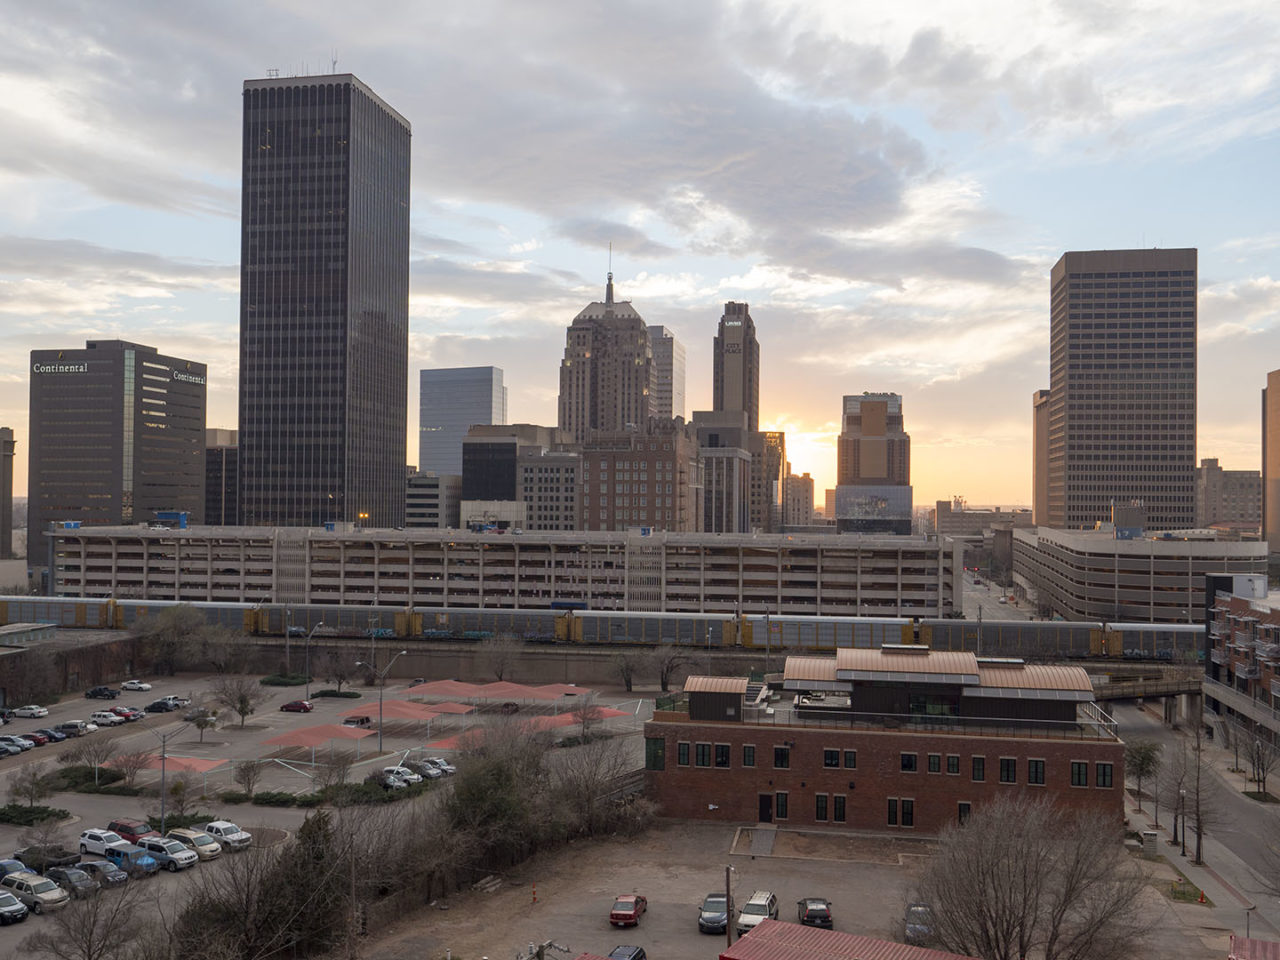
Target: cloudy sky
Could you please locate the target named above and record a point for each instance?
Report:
(888, 191)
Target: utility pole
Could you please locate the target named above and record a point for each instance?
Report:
(728, 908)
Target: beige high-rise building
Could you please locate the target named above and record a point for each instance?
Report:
(667, 389)
(1231, 498)
(797, 499)
(607, 370)
(736, 384)
(768, 470)
(1040, 457)
(1122, 386)
(1271, 461)
(873, 470)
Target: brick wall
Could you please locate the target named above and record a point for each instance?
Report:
(876, 776)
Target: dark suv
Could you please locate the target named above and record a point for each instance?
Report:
(101, 693)
(814, 912)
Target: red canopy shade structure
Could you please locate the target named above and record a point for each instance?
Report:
(398, 710)
(181, 764)
(448, 707)
(316, 736)
(443, 688)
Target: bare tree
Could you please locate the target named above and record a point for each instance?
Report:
(628, 663)
(131, 764)
(30, 784)
(1203, 802)
(1023, 879)
(584, 779)
(94, 752)
(247, 774)
(1141, 762)
(666, 660)
(1264, 757)
(95, 928)
(338, 668)
(205, 720)
(169, 635)
(500, 654)
(1171, 784)
(587, 712)
(333, 772)
(240, 694)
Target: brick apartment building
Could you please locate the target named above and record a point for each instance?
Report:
(896, 738)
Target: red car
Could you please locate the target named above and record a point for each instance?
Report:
(627, 909)
(297, 706)
(39, 739)
(131, 830)
(129, 713)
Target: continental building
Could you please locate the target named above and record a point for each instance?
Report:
(736, 365)
(6, 492)
(1228, 498)
(627, 570)
(324, 304)
(1122, 386)
(900, 739)
(450, 401)
(1097, 575)
(606, 375)
(117, 434)
(668, 389)
(873, 469)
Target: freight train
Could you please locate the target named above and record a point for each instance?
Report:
(1027, 639)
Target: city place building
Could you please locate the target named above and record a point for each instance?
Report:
(221, 478)
(450, 401)
(668, 389)
(1101, 575)
(736, 359)
(116, 435)
(433, 500)
(1231, 499)
(6, 492)
(1122, 386)
(324, 304)
(643, 479)
(873, 469)
(607, 371)
(897, 738)
(637, 569)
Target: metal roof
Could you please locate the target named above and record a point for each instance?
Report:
(715, 685)
(776, 940)
(809, 669)
(946, 666)
(1035, 676)
(1248, 948)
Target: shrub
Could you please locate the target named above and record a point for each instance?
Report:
(79, 777)
(274, 798)
(330, 692)
(174, 821)
(284, 680)
(309, 800)
(233, 796)
(24, 816)
(113, 790)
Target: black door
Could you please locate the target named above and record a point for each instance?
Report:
(766, 808)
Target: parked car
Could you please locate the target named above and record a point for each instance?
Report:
(627, 910)
(360, 721)
(12, 910)
(22, 743)
(918, 924)
(228, 834)
(763, 905)
(426, 770)
(36, 892)
(128, 713)
(198, 842)
(814, 912)
(104, 873)
(73, 880)
(132, 860)
(97, 840)
(12, 866)
(101, 693)
(387, 781)
(39, 739)
(297, 706)
(170, 854)
(624, 952)
(160, 706)
(443, 765)
(404, 773)
(177, 701)
(713, 915)
(39, 858)
(106, 718)
(9, 749)
(72, 728)
(55, 736)
(31, 710)
(130, 830)
(135, 685)
(90, 727)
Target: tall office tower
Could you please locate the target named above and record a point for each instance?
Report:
(324, 304)
(873, 474)
(607, 370)
(221, 478)
(725, 447)
(1231, 498)
(6, 492)
(1271, 461)
(1122, 386)
(768, 469)
(117, 435)
(1040, 457)
(668, 373)
(798, 499)
(450, 402)
(737, 365)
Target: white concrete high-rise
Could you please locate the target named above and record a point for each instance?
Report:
(667, 391)
(451, 401)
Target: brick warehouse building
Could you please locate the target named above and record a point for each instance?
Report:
(896, 738)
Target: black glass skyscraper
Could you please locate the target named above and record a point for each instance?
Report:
(324, 304)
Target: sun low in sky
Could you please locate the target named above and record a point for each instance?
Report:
(887, 188)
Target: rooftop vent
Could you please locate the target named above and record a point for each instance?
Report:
(918, 649)
(1002, 662)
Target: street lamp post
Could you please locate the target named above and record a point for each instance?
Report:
(307, 696)
(1182, 802)
(382, 679)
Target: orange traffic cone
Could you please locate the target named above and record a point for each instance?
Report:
(1202, 896)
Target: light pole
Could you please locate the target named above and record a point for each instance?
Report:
(307, 696)
(728, 908)
(1182, 802)
(382, 679)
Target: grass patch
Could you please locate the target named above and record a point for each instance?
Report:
(1261, 797)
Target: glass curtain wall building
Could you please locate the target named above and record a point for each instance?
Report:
(324, 302)
(451, 401)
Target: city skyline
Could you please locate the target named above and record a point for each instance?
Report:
(889, 196)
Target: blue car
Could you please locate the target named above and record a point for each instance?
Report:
(53, 735)
(13, 866)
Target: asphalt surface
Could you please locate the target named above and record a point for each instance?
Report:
(986, 598)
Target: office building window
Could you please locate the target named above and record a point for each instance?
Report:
(780, 806)
(655, 753)
(1079, 774)
(682, 754)
(1008, 769)
(722, 754)
(953, 763)
(837, 808)
(935, 763)
(893, 812)
(1035, 772)
(963, 810)
(831, 759)
(820, 807)
(781, 758)
(851, 759)
(749, 755)
(908, 763)
(908, 813)
(1102, 775)
(702, 755)
(979, 769)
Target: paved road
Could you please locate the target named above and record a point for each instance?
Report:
(985, 598)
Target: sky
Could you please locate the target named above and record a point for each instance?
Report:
(887, 186)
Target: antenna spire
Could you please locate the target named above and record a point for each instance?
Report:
(608, 289)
